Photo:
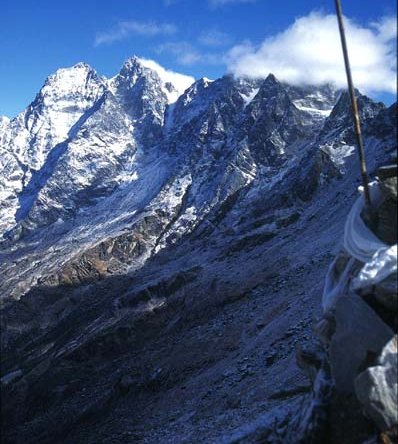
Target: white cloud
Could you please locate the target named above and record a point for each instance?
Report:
(211, 3)
(183, 52)
(213, 38)
(186, 54)
(386, 28)
(216, 3)
(180, 81)
(124, 29)
(309, 52)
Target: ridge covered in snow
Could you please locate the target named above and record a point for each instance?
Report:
(90, 158)
(85, 139)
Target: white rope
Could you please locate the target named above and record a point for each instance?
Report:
(336, 285)
(359, 240)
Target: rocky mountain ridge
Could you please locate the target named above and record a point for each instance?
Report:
(211, 142)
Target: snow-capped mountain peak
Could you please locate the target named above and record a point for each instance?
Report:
(4, 121)
(68, 81)
(170, 83)
(173, 83)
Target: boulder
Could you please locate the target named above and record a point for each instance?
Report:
(386, 293)
(377, 388)
(360, 334)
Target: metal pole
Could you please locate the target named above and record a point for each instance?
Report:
(354, 106)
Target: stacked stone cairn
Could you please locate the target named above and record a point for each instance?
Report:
(353, 365)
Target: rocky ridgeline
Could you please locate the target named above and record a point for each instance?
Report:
(91, 158)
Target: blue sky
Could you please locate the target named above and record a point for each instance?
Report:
(195, 37)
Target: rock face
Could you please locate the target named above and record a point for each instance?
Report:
(377, 388)
(173, 238)
(362, 332)
(43, 128)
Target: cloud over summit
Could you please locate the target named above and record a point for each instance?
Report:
(180, 81)
(309, 52)
(126, 28)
